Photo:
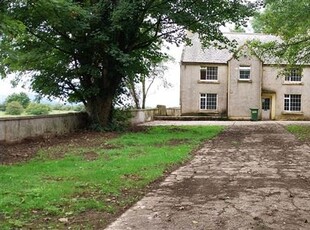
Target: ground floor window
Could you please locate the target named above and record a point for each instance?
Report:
(292, 102)
(208, 101)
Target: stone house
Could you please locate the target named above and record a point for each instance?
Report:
(216, 82)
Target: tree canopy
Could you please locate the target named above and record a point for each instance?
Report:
(82, 50)
(290, 20)
(22, 98)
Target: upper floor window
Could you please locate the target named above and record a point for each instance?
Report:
(293, 75)
(292, 102)
(209, 73)
(244, 72)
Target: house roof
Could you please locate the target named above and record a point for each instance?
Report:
(199, 54)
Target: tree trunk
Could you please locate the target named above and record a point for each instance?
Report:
(99, 105)
(99, 110)
(134, 93)
(143, 92)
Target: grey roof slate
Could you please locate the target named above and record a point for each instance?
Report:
(199, 54)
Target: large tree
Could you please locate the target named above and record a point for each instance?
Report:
(82, 50)
(290, 20)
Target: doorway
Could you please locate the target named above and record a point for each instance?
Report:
(266, 108)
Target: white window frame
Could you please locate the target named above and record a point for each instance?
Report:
(290, 103)
(205, 102)
(241, 70)
(294, 75)
(209, 73)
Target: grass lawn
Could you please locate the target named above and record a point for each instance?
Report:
(87, 185)
(301, 131)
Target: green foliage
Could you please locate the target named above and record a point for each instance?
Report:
(38, 109)
(83, 50)
(301, 131)
(79, 108)
(62, 107)
(2, 107)
(120, 120)
(72, 184)
(14, 108)
(22, 98)
(288, 19)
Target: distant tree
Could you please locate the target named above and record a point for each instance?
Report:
(38, 109)
(2, 107)
(83, 50)
(290, 20)
(14, 108)
(257, 24)
(22, 98)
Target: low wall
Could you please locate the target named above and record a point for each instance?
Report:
(15, 129)
(142, 115)
(145, 115)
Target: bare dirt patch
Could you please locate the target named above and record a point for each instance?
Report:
(90, 156)
(26, 150)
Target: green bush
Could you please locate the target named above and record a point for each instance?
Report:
(2, 107)
(14, 108)
(38, 109)
(62, 107)
(120, 120)
(22, 98)
(57, 106)
(78, 108)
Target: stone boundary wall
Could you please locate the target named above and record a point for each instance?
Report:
(146, 115)
(16, 129)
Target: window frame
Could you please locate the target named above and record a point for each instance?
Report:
(207, 73)
(294, 75)
(206, 102)
(244, 68)
(292, 104)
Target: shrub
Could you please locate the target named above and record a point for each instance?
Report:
(57, 106)
(38, 109)
(22, 98)
(120, 120)
(79, 108)
(62, 107)
(2, 107)
(14, 108)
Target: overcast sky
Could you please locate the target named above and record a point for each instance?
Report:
(7, 89)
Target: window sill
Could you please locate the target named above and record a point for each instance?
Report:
(292, 83)
(208, 82)
(245, 80)
(292, 113)
(208, 111)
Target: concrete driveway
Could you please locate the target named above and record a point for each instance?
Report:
(249, 177)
